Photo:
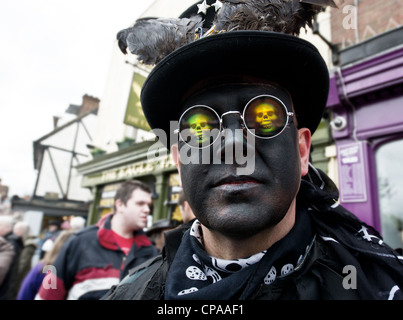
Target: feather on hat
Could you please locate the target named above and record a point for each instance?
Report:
(152, 39)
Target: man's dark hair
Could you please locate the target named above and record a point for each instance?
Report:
(126, 189)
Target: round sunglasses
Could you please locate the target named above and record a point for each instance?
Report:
(264, 116)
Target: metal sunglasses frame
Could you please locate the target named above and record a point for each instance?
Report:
(242, 116)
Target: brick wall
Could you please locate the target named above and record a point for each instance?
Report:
(373, 17)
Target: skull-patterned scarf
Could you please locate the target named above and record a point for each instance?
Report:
(196, 275)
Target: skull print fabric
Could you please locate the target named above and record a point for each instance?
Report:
(196, 275)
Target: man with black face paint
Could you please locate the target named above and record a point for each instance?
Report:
(259, 205)
(237, 89)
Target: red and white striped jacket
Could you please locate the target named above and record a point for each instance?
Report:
(90, 262)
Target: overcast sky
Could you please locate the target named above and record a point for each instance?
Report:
(52, 52)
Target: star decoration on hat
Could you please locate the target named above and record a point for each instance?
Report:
(203, 7)
(217, 5)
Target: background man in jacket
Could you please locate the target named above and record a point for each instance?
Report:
(96, 257)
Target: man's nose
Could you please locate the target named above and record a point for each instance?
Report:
(232, 120)
(147, 208)
(233, 136)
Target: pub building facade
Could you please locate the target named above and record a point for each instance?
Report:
(147, 161)
(366, 101)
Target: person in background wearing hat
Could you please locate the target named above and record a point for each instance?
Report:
(96, 257)
(157, 231)
(242, 83)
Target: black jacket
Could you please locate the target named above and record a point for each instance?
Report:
(344, 247)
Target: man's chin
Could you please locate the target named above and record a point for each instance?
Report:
(241, 228)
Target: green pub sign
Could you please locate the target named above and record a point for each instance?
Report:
(134, 113)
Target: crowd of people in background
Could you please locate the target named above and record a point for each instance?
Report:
(31, 265)
(23, 255)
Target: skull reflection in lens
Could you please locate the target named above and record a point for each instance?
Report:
(199, 126)
(265, 117)
(198, 123)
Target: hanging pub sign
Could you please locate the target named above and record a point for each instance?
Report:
(134, 115)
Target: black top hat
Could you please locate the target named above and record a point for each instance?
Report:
(283, 58)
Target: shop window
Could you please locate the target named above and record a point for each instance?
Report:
(389, 159)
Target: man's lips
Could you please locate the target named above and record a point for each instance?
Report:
(236, 181)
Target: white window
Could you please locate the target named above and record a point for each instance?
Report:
(389, 165)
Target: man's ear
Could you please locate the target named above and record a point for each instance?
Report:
(118, 204)
(176, 159)
(304, 145)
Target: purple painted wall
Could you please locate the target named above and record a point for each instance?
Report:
(369, 96)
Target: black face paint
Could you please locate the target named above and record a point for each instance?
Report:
(242, 205)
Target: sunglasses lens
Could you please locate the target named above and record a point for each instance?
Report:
(199, 126)
(266, 116)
